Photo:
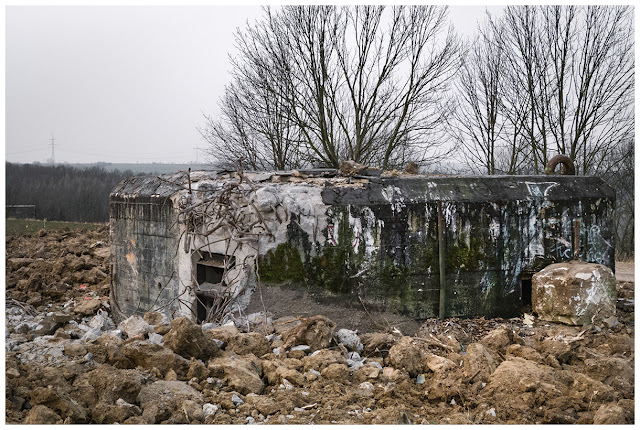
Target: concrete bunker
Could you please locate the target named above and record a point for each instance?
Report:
(199, 244)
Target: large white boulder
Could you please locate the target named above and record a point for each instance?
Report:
(574, 293)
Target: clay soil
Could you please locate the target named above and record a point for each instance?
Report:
(68, 362)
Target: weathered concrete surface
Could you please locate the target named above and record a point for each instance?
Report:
(359, 239)
(574, 293)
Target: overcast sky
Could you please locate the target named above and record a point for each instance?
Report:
(123, 83)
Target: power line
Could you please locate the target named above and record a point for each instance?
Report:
(53, 155)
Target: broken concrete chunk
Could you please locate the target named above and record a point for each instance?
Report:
(350, 339)
(574, 293)
(187, 339)
(88, 307)
(315, 331)
(406, 355)
(134, 326)
(155, 318)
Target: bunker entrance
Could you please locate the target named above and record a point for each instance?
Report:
(210, 270)
(525, 291)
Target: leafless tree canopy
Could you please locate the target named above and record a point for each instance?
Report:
(543, 80)
(315, 85)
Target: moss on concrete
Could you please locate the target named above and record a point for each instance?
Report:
(282, 264)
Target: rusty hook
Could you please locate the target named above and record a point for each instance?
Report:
(569, 168)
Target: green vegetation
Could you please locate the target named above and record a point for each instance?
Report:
(32, 226)
(283, 264)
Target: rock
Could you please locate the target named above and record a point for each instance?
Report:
(525, 352)
(439, 364)
(88, 307)
(365, 389)
(610, 414)
(192, 410)
(155, 413)
(209, 409)
(62, 317)
(224, 334)
(155, 318)
(112, 384)
(187, 339)
(156, 338)
(149, 355)
(478, 362)
(46, 327)
(368, 371)
(350, 168)
(321, 359)
(514, 378)
(574, 292)
(41, 414)
(240, 373)
(75, 350)
(375, 342)
(59, 402)
(171, 375)
(118, 413)
(13, 264)
(162, 329)
(136, 420)
(404, 354)
(315, 331)
(134, 326)
(498, 339)
(197, 370)
(237, 401)
(101, 321)
(264, 404)
(248, 343)
(336, 372)
(589, 390)
(349, 339)
(616, 372)
(391, 374)
(284, 324)
(170, 393)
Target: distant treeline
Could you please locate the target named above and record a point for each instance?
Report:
(63, 193)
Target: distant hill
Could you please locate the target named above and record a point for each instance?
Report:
(148, 168)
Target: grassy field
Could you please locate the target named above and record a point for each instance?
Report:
(32, 226)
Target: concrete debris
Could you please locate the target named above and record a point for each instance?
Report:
(574, 293)
(64, 367)
(349, 339)
(134, 326)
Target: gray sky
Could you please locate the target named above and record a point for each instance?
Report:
(123, 83)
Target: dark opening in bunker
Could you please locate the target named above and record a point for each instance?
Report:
(525, 290)
(210, 270)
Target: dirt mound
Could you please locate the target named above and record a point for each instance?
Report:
(68, 362)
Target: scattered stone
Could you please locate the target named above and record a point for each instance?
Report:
(248, 343)
(406, 355)
(149, 356)
(336, 372)
(168, 393)
(265, 405)
(209, 409)
(237, 401)
(610, 414)
(62, 317)
(134, 326)
(439, 364)
(239, 373)
(156, 338)
(41, 414)
(478, 362)
(88, 307)
(187, 339)
(155, 318)
(321, 359)
(350, 339)
(574, 293)
(75, 349)
(498, 339)
(315, 331)
(162, 329)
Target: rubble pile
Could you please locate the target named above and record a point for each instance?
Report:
(68, 362)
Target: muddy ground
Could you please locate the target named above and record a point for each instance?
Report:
(68, 362)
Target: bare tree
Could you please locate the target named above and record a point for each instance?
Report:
(364, 83)
(569, 80)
